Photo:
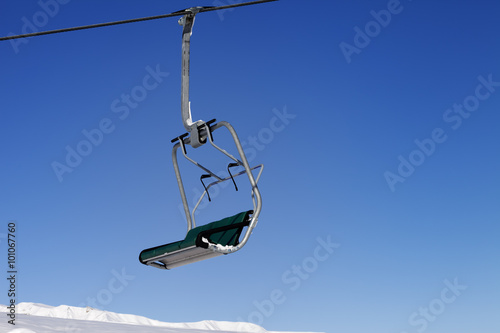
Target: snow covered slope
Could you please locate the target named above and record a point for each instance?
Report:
(39, 318)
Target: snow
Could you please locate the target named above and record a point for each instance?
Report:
(40, 318)
(219, 247)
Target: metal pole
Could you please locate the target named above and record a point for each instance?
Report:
(181, 186)
(187, 21)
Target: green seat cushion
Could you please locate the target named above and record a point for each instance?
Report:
(224, 238)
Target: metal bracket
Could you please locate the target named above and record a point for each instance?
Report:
(205, 186)
(231, 175)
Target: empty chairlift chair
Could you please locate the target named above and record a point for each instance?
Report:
(216, 238)
(229, 234)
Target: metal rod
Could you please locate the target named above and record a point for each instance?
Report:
(181, 186)
(201, 166)
(220, 149)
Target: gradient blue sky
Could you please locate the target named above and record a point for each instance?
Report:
(354, 120)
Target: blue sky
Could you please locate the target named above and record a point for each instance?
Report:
(376, 122)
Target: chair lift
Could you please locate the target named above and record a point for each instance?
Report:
(223, 236)
(216, 238)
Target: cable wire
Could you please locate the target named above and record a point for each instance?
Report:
(99, 25)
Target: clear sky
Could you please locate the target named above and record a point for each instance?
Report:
(377, 123)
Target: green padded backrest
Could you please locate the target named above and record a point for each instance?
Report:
(228, 237)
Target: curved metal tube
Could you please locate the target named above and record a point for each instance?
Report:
(256, 197)
(181, 186)
(255, 190)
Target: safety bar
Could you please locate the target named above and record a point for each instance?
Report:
(260, 166)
